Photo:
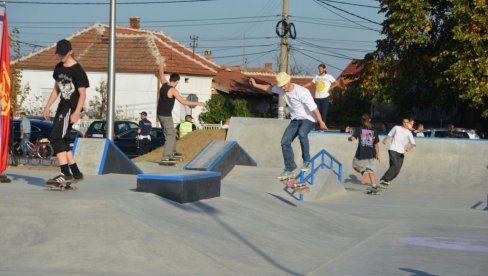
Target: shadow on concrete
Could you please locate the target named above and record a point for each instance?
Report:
(205, 208)
(353, 180)
(194, 207)
(37, 181)
(283, 200)
(417, 272)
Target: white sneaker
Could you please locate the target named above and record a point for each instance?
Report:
(285, 175)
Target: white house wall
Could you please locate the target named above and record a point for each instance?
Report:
(134, 92)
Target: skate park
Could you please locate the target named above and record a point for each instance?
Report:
(431, 221)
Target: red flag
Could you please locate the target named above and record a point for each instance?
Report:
(4, 94)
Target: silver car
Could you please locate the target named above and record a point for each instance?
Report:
(442, 132)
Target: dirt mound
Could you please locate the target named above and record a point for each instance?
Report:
(189, 145)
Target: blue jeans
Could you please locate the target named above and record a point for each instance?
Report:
(323, 107)
(25, 147)
(300, 128)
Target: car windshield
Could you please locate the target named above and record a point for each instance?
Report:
(98, 127)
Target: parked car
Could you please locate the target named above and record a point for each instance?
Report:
(125, 135)
(98, 129)
(127, 142)
(442, 132)
(40, 129)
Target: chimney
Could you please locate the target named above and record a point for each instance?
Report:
(268, 66)
(208, 55)
(134, 22)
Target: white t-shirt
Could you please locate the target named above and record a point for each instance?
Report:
(300, 102)
(322, 85)
(401, 138)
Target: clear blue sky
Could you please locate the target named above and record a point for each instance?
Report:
(232, 29)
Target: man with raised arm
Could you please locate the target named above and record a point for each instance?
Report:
(166, 101)
(304, 114)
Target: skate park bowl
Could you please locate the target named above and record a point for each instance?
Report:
(430, 221)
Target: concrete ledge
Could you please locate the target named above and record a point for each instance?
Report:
(181, 186)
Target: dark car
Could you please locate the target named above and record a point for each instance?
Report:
(125, 135)
(127, 141)
(40, 129)
(98, 129)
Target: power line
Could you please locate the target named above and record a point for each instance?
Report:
(353, 4)
(105, 3)
(323, 5)
(350, 13)
(247, 54)
(320, 61)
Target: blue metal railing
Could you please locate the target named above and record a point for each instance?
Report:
(309, 176)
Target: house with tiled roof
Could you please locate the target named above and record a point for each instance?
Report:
(137, 59)
(233, 81)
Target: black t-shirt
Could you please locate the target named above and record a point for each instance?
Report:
(165, 104)
(69, 79)
(367, 138)
(145, 126)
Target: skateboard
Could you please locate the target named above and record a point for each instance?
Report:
(178, 157)
(4, 179)
(168, 163)
(371, 191)
(61, 187)
(296, 186)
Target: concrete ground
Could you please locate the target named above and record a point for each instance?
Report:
(419, 226)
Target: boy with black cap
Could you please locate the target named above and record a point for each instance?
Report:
(70, 83)
(144, 137)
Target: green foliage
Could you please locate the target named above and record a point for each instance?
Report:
(220, 108)
(347, 107)
(16, 91)
(433, 55)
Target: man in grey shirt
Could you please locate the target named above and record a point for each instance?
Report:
(25, 133)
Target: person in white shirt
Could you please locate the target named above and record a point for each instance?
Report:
(419, 132)
(304, 114)
(401, 142)
(323, 84)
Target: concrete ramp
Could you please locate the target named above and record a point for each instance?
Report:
(220, 156)
(102, 156)
(325, 186)
(439, 162)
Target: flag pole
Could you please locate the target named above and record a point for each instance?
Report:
(111, 75)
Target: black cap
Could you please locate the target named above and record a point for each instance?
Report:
(63, 47)
(188, 116)
(143, 113)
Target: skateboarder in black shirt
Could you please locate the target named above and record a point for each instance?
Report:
(70, 85)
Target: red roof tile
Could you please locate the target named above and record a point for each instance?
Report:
(236, 80)
(136, 51)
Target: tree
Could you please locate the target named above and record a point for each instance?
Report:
(467, 59)
(97, 106)
(433, 55)
(219, 108)
(16, 90)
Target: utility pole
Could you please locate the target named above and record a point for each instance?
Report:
(193, 43)
(283, 58)
(111, 74)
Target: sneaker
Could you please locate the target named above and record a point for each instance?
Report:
(285, 175)
(177, 154)
(384, 183)
(60, 179)
(78, 177)
(306, 166)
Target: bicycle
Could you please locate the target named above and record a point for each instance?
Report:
(42, 148)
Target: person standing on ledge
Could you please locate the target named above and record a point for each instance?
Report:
(166, 101)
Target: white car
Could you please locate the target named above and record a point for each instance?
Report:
(442, 132)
